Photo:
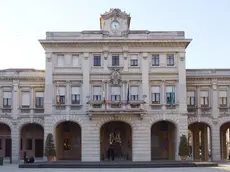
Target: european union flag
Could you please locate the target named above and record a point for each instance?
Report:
(172, 101)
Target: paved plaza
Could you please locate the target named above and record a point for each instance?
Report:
(14, 168)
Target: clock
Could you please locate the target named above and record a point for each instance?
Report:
(115, 25)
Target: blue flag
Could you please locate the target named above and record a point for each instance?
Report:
(172, 101)
(127, 99)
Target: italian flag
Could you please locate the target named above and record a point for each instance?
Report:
(103, 94)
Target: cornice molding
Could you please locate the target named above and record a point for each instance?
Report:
(130, 43)
(26, 78)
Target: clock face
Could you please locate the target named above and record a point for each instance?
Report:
(115, 25)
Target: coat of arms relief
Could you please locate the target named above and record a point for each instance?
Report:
(115, 77)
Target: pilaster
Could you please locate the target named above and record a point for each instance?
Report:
(215, 135)
(15, 135)
(90, 143)
(145, 77)
(214, 102)
(86, 80)
(141, 147)
(182, 83)
(162, 95)
(68, 96)
(48, 97)
(15, 104)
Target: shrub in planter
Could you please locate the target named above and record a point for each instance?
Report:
(50, 151)
(183, 147)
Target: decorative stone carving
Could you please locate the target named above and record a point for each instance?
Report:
(48, 57)
(144, 55)
(115, 77)
(105, 54)
(86, 55)
(182, 58)
(125, 55)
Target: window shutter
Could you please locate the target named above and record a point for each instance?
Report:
(116, 90)
(134, 90)
(75, 60)
(7, 95)
(61, 91)
(60, 60)
(39, 94)
(96, 90)
(75, 90)
(25, 98)
(204, 94)
(155, 89)
(134, 57)
(222, 93)
(170, 89)
(190, 93)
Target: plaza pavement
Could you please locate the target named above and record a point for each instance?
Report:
(221, 168)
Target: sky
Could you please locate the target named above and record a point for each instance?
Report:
(24, 22)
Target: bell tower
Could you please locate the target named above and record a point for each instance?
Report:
(115, 21)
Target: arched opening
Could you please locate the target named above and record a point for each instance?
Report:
(5, 140)
(200, 141)
(68, 141)
(225, 140)
(163, 141)
(116, 141)
(32, 140)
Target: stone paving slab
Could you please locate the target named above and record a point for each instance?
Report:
(221, 168)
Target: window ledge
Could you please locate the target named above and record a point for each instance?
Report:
(67, 67)
(115, 67)
(156, 104)
(134, 67)
(97, 67)
(75, 105)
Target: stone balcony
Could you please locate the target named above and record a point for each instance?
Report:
(116, 108)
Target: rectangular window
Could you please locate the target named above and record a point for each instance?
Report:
(75, 60)
(204, 98)
(39, 99)
(75, 95)
(116, 93)
(29, 144)
(134, 60)
(170, 60)
(0, 143)
(26, 99)
(191, 98)
(155, 60)
(223, 98)
(115, 60)
(133, 93)
(96, 93)
(60, 60)
(170, 95)
(155, 91)
(7, 99)
(60, 95)
(97, 60)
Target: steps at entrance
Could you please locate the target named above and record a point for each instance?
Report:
(114, 164)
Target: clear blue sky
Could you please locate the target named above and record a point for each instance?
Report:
(24, 22)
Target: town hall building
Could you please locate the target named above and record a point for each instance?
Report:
(115, 88)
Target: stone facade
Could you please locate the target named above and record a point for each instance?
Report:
(114, 57)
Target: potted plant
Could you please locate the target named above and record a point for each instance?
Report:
(50, 151)
(183, 147)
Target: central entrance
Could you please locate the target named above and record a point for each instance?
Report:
(116, 141)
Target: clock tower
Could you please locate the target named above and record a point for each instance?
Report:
(115, 21)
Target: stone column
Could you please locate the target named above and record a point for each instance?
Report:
(48, 97)
(204, 143)
(182, 83)
(145, 77)
(141, 144)
(15, 139)
(86, 80)
(32, 100)
(214, 102)
(215, 133)
(15, 101)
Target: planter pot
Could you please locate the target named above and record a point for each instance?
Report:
(51, 158)
(183, 158)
